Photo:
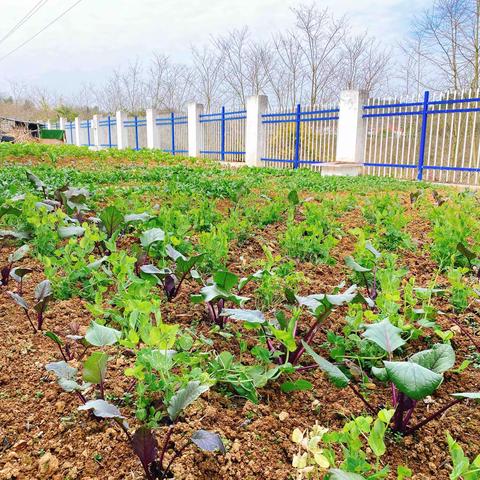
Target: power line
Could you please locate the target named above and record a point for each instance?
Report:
(40, 31)
(27, 16)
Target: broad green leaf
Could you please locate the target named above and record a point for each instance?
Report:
(112, 220)
(19, 253)
(351, 263)
(380, 373)
(54, 337)
(137, 217)
(285, 337)
(337, 377)
(36, 182)
(95, 367)
(297, 385)
(376, 438)
(20, 301)
(337, 474)
(225, 280)
(101, 336)
(412, 379)
(14, 234)
(9, 210)
(43, 290)
(69, 232)
(439, 359)
(250, 316)
(372, 249)
(149, 237)
(102, 409)
(403, 472)
(62, 370)
(293, 197)
(385, 335)
(468, 395)
(184, 397)
(208, 441)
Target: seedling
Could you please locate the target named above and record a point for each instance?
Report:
(13, 258)
(219, 291)
(43, 294)
(171, 280)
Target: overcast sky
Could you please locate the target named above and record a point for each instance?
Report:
(99, 35)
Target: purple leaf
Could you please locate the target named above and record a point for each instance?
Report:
(144, 445)
(169, 286)
(209, 441)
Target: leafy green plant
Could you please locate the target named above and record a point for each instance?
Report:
(218, 291)
(172, 279)
(462, 468)
(317, 457)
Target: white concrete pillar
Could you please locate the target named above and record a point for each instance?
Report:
(49, 125)
(153, 133)
(194, 110)
(61, 123)
(122, 138)
(78, 130)
(351, 131)
(96, 132)
(254, 131)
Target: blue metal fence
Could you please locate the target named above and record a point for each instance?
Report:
(87, 125)
(224, 134)
(172, 122)
(108, 122)
(314, 144)
(452, 142)
(136, 123)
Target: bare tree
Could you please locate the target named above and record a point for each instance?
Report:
(320, 36)
(207, 65)
(449, 34)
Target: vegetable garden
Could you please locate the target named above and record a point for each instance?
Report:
(169, 318)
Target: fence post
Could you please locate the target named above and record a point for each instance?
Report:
(254, 130)
(77, 132)
(122, 139)
(96, 132)
(350, 135)
(423, 135)
(153, 136)
(194, 111)
(61, 123)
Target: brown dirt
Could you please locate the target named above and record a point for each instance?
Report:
(43, 436)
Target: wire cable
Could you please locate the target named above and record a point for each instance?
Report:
(27, 16)
(40, 31)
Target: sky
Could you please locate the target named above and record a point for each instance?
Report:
(97, 36)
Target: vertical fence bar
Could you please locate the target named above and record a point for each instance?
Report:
(109, 125)
(296, 158)
(423, 135)
(172, 120)
(222, 136)
(88, 132)
(135, 122)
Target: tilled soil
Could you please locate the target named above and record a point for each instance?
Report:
(44, 436)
